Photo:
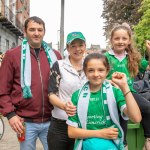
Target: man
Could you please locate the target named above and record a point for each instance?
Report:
(24, 78)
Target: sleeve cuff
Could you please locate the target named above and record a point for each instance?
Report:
(10, 115)
(74, 124)
(122, 113)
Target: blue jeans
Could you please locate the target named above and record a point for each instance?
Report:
(34, 131)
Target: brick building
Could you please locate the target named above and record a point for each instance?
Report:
(13, 13)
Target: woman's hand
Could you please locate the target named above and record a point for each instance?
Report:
(70, 109)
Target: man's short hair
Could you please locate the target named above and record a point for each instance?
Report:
(34, 19)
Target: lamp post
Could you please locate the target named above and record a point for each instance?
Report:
(62, 27)
(58, 40)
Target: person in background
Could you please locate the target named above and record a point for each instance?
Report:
(66, 77)
(125, 58)
(24, 76)
(96, 123)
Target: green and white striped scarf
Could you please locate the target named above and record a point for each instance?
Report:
(83, 100)
(26, 65)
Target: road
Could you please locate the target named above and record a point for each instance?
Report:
(9, 140)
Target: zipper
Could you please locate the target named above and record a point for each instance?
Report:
(38, 60)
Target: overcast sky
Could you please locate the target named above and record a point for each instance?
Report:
(80, 15)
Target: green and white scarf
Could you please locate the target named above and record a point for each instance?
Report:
(83, 100)
(26, 65)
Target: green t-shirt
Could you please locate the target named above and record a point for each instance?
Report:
(122, 66)
(98, 115)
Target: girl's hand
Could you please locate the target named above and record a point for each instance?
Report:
(70, 109)
(112, 83)
(109, 133)
(119, 79)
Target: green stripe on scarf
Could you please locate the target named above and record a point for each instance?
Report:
(26, 65)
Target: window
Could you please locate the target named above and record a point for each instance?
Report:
(7, 44)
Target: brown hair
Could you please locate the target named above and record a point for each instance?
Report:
(34, 19)
(134, 55)
(96, 56)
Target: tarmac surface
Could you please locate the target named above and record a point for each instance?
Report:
(10, 142)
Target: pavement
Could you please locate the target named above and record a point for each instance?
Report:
(10, 142)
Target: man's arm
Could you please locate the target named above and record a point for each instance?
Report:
(6, 84)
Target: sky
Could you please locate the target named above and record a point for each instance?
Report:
(80, 15)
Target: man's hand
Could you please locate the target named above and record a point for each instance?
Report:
(16, 124)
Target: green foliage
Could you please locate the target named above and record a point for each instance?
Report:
(142, 29)
(119, 11)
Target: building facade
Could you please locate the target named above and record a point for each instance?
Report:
(13, 13)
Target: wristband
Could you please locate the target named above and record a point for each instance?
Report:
(126, 93)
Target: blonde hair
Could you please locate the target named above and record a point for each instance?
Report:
(134, 55)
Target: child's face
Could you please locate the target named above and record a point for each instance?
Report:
(120, 40)
(96, 72)
(76, 49)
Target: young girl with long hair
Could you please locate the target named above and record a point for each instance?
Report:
(125, 58)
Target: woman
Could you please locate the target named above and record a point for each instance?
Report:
(66, 77)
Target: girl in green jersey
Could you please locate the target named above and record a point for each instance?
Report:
(96, 123)
(124, 57)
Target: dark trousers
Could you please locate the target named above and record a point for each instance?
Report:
(144, 106)
(124, 126)
(57, 137)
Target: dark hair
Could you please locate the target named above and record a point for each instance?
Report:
(34, 19)
(133, 56)
(96, 56)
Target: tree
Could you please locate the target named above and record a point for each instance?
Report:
(142, 29)
(119, 11)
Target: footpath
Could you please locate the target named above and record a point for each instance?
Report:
(9, 140)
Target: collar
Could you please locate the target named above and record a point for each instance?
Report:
(111, 52)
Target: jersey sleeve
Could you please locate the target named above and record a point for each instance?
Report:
(143, 65)
(54, 79)
(120, 100)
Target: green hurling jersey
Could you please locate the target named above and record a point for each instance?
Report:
(98, 116)
(122, 66)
